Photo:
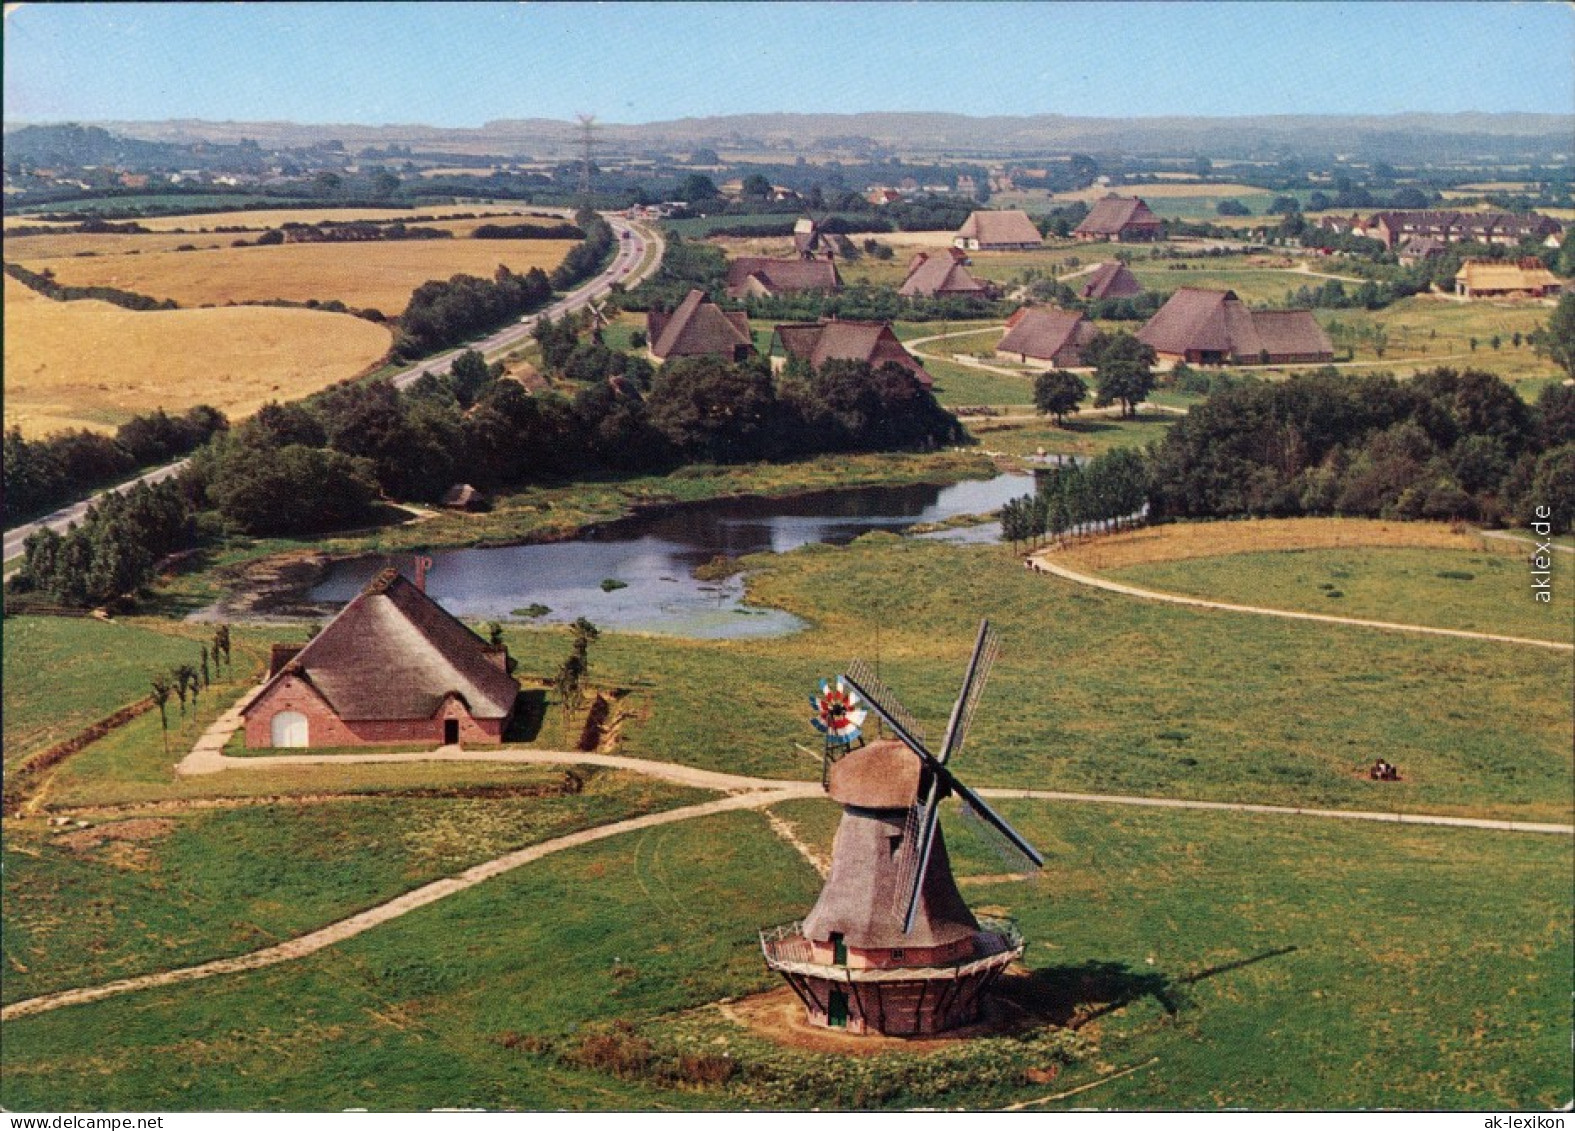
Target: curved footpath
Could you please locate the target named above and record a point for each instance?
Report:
(1043, 563)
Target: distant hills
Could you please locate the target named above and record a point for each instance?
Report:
(1418, 137)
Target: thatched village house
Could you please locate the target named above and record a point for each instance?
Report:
(698, 329)
(941, 274)
(1110, 280)
(464, 497)
(1046, 335)
(759, 277)
(393, 666)
(998, 231)
(1489, 278)
(1392, 228)
(1205, 327)
(833, 340)
(1120, 219)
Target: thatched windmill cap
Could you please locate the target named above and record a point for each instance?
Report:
(881, 775)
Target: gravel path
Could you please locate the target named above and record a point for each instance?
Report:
(1042, 561)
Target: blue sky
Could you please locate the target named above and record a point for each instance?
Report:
(466, 64)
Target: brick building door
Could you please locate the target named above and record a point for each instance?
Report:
(450, 732)
(288, 728)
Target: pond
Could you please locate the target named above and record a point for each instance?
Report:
(647, 561)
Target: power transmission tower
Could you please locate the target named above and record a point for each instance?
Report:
(587, 150)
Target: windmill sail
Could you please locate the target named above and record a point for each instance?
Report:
(918, 840)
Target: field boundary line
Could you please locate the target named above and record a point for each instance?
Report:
(1505, 536)
(310, 943)
(1392, 817)
(1067, 574)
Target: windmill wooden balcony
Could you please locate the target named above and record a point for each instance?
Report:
(896, 992)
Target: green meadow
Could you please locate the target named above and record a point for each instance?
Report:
(1234, 960)
(1479, 592)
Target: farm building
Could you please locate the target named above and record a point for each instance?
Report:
(998, 231)
(393, 666)
(698, 329)
(874, 342)
(464, 497)
(941, 274)
(1046, 335)
(1111, 280)
(1504, 228)
(753, 277)
(1486, 278)
(1203, 327)
(1121, 219)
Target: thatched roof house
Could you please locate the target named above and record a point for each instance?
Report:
(998, 231)
(940, 275)
(1111, 280)
(1485, 278)
(1046, 335)
(874, 342)
(393, 666)
(1123, 219)
(1205, 327)
(464, 497)
(698, 329)
(759, 277)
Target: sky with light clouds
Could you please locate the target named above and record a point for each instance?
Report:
(463, 64)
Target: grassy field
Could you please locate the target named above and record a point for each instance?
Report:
(171, 887)
(377, 275)
(962, 385)
(1487, 590)
(1081, 436)
(1201, 947)
(1427, 330)
(273, 217)
(89, 364)
(62, 673)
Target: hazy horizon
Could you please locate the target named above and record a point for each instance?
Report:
(468, 64)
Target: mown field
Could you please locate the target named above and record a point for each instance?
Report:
(1085, 434)
(89, 364)
(202, 883)
(1485, 591)
(376, 275)
(1201, 949)
(1427, 330)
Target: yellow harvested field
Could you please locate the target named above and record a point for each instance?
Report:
(378, 275)
(94, 365)
(273, 217)
(1157, 191)
(1180, 541)
(68, 245)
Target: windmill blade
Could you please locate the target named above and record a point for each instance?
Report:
(918, 841)
(985, 650)
(1000, 832)
(887, 706)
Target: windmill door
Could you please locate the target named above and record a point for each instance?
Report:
(837, 1010)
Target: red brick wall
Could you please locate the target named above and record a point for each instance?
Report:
(324, 728)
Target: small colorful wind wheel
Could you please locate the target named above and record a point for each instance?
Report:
(838, 714)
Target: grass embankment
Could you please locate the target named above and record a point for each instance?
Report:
(172, 887)
(1200, 946)
(63, 673)
(1083, 435)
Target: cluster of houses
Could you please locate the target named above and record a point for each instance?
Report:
(1407, 230)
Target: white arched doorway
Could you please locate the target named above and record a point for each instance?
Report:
(289, 729)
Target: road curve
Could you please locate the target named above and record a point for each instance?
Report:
(625, 269)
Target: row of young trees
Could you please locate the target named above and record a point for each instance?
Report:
(1108, 491)
(41, 474)
(442, 314)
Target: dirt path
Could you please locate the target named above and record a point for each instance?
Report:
(1043, 562)
(327, 936)
(1394, 818)
(1505, 536)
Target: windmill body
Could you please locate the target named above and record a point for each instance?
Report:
(890, 946)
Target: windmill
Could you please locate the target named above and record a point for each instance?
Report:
(890, 946)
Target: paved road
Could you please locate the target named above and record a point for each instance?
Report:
(625, 269)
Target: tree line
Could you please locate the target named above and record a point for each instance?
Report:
(1107, 492)
(44, 283)
(43, 474)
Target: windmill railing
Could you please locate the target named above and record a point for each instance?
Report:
(787, 950)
